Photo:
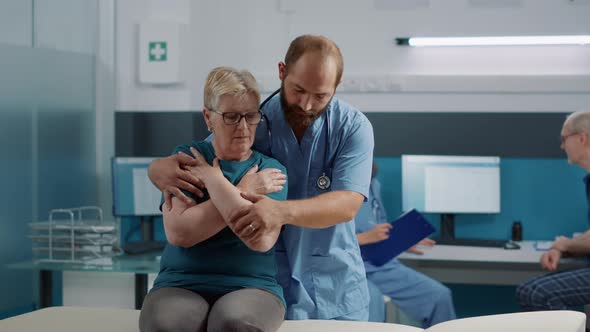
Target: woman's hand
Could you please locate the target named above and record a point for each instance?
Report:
(377, 234)
(425, 242)
(202, 170)
(265, 182)
(550, 259)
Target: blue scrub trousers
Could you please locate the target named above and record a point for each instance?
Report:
(377, 307)
(418, 296)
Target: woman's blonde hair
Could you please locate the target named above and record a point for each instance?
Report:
(228, 81)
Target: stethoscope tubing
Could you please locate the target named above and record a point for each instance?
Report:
(323, 182)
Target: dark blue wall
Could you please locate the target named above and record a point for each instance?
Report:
(547, 195)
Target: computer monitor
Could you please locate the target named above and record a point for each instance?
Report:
(134, 195)
(450, 185)
(133, 192)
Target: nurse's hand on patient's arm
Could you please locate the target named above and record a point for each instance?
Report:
(266, 216)
(377, 234)
(425, 242)
(320, 211)
(259, 224)
(550, 259)
(171, 176)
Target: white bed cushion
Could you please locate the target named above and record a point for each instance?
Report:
(535, 321)
(70, 319)
(342, 326)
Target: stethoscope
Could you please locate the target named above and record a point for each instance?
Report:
(324, 181)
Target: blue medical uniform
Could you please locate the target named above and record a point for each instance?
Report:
(418, 296)
(321, 270)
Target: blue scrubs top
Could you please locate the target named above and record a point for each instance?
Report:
(321, 270)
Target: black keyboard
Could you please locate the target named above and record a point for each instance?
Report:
(135, 248)
(473, 242)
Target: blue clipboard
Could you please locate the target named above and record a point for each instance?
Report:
(408, 229)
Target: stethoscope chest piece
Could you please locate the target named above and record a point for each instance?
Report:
(323, 182)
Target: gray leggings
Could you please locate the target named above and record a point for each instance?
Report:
(178, 309)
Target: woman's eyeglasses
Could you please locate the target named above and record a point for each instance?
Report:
(564, 138)
(231, 118)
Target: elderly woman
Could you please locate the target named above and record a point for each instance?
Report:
(209, 279)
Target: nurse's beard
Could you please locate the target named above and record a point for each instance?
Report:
(297, 117)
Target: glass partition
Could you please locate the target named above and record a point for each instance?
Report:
(47, 126)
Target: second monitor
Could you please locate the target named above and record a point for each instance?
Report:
(135, 196)
(450, 185)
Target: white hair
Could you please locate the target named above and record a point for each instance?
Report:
(228, 81)
(579, 122)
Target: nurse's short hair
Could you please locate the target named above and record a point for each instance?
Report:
(579, 122)
(228, 81)
(310, 43)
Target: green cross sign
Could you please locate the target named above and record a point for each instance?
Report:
(158, 51)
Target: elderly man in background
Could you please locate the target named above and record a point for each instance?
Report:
(564, 290)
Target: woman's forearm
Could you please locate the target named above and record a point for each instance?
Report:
(225, 196)
(186, 226)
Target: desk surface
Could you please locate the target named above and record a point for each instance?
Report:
(527, 255)
(458, 264)
(144, 263)
(480, 265)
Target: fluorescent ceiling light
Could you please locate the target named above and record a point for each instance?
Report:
(494, 41)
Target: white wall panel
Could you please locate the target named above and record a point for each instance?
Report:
(255, 37)
(16, 18)
(66, 25)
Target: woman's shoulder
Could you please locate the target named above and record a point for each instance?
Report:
(204, 147)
